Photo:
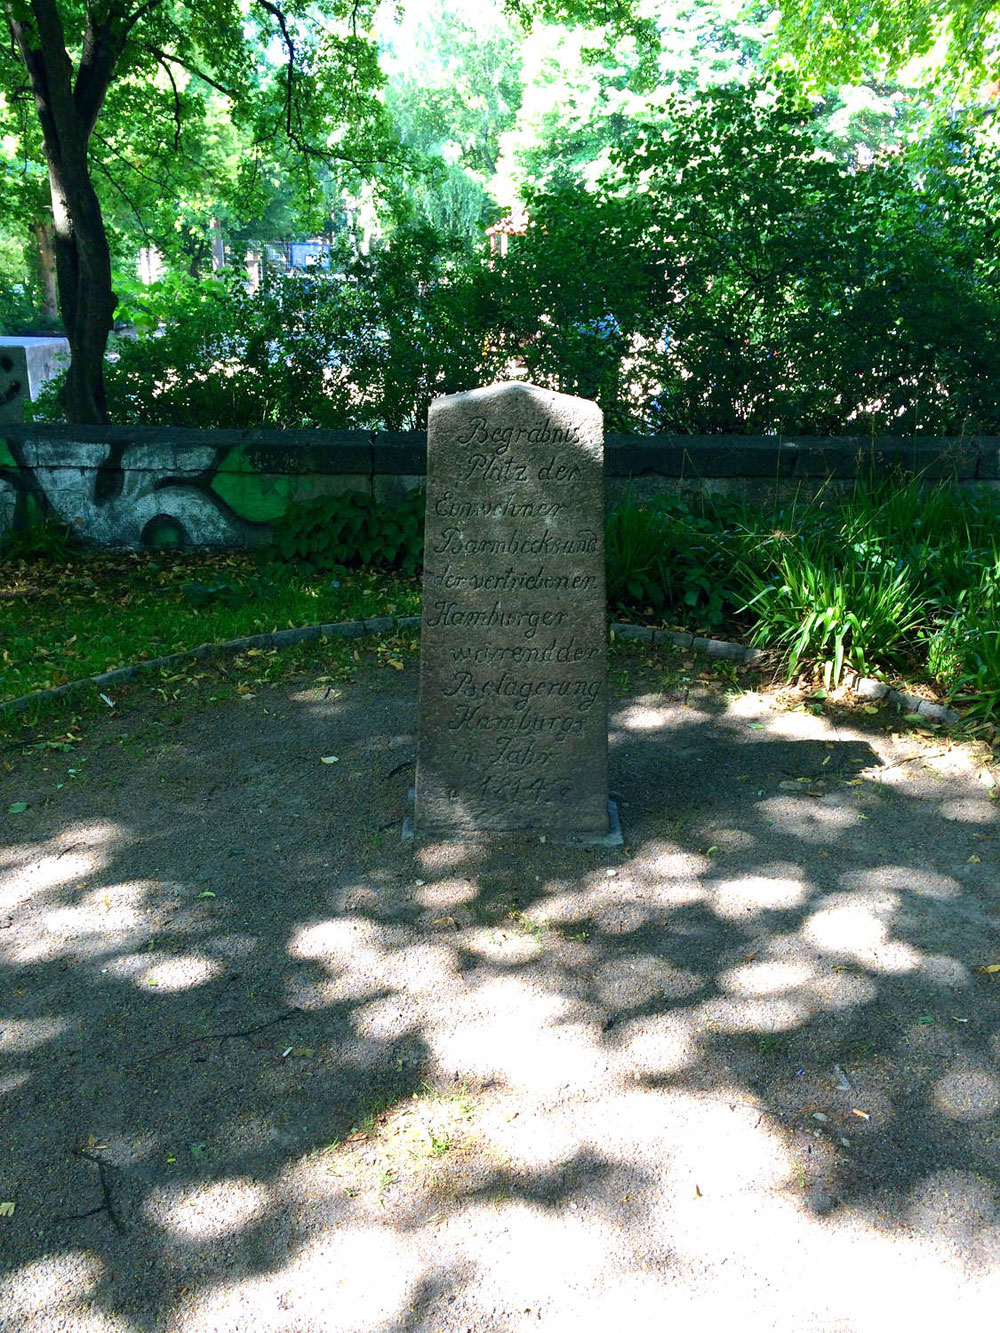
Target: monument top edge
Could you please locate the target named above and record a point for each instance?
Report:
(512, 388)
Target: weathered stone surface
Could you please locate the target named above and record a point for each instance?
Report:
(13, 384)
(513, 674)
(44, 358)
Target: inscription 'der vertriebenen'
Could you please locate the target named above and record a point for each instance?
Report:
(513, 692)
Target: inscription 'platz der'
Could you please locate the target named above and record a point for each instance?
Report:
(513, 670)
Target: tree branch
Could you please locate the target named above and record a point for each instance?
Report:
(139, 14)
(162, 56)
(101, 50)
(278, 14)
(177, 102)
(122, 158)
(122, 191)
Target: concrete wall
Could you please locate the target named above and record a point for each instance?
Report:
(160, 487)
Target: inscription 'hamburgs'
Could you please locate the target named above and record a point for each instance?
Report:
(513, 704)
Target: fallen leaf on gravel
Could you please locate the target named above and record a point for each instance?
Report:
(207, 893)
(330, 759)
(987, 778)
(303, 1052)
(925, 1018)
(7, 1209)
(756, 726)
(974, 860)
(444, 923)
(17, 808)
(863, 1114)
(991, 967)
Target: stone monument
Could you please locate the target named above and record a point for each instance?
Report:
(513, 732)
(13, 384)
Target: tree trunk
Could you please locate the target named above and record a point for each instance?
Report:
(69, 102)
(45, 240)
(87, 301)
(218, 245)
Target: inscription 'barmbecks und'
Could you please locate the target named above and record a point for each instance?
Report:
(513, 706)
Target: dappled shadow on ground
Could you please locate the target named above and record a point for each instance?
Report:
(264, 1064)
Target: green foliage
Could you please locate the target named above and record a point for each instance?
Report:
(368, 345)
(453, 89)
(353, 529)
(892, 576)
(850, 611)
(727, 276)
(667, 559)
(44, 538)
(837, 41)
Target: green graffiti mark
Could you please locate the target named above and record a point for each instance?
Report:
(250, 494)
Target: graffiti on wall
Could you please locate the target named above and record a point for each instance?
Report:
(13, 383)
(133, 495)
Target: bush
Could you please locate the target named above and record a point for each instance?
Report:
(893, 576)
(353, 529)
(366, 346)
(667, 560)
(728, 276)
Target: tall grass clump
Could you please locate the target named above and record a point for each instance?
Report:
(894, 575)
(669, 559)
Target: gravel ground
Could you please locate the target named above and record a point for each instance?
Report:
(263, 1065)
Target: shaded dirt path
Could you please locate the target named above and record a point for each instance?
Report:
(264, 1065)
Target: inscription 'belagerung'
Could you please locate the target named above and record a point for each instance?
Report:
(513, 725)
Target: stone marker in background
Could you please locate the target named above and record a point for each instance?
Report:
(13, 384)
(45, 357)
(513, 732)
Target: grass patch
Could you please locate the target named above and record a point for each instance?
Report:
(894, 578)
(89, 612)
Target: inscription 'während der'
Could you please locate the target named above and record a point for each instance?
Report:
(491, 654)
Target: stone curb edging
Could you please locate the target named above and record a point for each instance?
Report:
(281, 638)
(865, 687)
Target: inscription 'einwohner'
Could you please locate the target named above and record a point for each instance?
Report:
(513, 708)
